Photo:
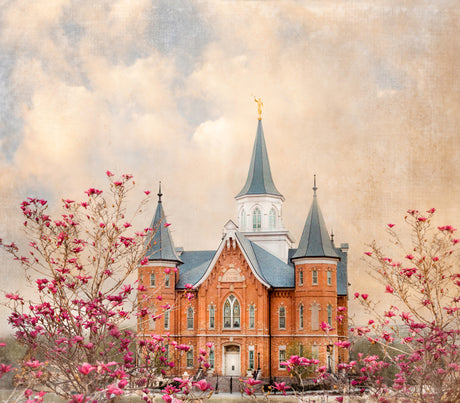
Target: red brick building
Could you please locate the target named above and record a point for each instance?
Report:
(257, 298)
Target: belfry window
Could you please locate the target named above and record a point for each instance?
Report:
(231, 313)
(256, 220)
(272, 219)
(282, 317)
(243, 220)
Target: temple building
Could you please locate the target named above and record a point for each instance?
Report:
(258, 298)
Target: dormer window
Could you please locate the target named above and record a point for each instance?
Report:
(256, 220)
(232, 313)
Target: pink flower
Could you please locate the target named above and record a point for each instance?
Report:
(33, 364)
(109, 174)
(203, 385)
(410, 257)
(189, 286)
(167, 270)
(391, 225)
(447, 228)
(435, 259)
(422, 219)
(144, 261)
(431, 210)
(356, 294)
(364, 296)
(281, 387)
(93, 191)
(147, 192)
(15, 297)
(167, 224)
(209, 344)
(389, 289)
(86, 368)
(368, 253)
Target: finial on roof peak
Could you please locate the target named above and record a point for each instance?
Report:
(159, 192)
(259, 106)
(315, 188)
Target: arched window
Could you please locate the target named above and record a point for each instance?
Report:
(212, 315)
(282, 317)
(243, 220)
(252, 317)
(315, 308)
(190, 358)
(329, 315)
(256, 220)
(231, 313)
(301, 316)
(272, 219)
(190, 318)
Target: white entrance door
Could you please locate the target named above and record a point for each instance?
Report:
(232, 361)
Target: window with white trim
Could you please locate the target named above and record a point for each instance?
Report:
(231, 313)
(190, 358)
(272, 219)
(282, 317)
(329, 315)
(251, 359)
(282, 357)
(166, 320)
(256, 220)
(301, 316)
(329, 277)
(190, 318)
(301, 278)
(243, 220)
(167, 281)
(252, 317)
(212, 316)
(152, 279)
(314, 277)
(211, 358)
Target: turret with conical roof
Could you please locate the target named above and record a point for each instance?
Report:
(161, 246)
(315, 240)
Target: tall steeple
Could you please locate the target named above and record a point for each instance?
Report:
(315, 240)
(260, 203)
(161, 246)
(259, 180)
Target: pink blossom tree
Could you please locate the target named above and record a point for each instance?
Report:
(75, 326)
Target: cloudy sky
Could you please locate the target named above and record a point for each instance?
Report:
(364, 95)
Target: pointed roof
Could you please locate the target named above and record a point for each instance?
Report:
(315, 240)
(259, 179)
(161, 246)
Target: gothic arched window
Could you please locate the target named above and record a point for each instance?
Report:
(231, 313)
(256, 220)
(272, 219)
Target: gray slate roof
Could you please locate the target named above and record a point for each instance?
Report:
(194, 267)
(259, 179)
(268, 267)
(315, 241)
(161, 246)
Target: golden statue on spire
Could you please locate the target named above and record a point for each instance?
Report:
(259, 106)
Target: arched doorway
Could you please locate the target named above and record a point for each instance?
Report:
(232, 360)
